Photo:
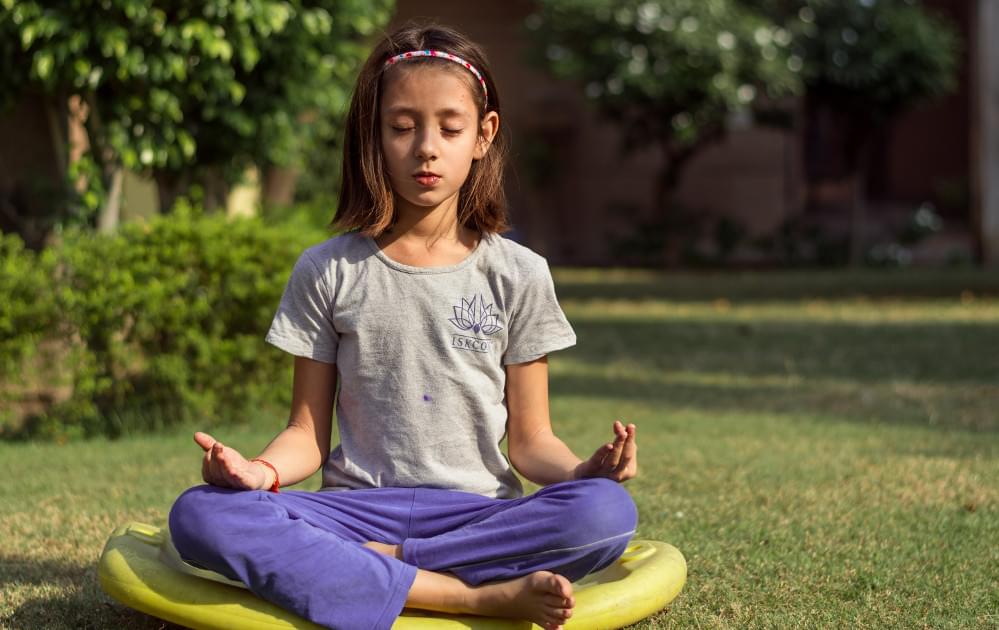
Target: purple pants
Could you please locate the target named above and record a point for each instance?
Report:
(303, 550)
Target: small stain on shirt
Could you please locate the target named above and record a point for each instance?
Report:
(427, 398)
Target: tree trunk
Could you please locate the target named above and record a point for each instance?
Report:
(216, 189)
(110, 213)
(32, 183)
(56, 112)
(858, 203)
(112, 172)
(279, 184)
(675, 160)
(170, 186)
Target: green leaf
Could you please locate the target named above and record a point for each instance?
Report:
(42, 65)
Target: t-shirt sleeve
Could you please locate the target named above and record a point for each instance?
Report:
(538, 325)
(303, 324)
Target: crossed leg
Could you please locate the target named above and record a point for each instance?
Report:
(355, 559)
(515, 558)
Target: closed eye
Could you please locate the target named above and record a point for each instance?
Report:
(451, 132)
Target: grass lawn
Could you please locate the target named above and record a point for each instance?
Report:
(822, 447)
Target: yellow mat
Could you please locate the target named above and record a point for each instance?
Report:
(139, 568)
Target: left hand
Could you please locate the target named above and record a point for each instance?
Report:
(616, 460)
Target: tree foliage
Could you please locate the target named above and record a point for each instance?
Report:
(865, 62)
(871, 58)
(176, 87)
(669, 72)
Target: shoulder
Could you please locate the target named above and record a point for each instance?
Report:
(331, 263)
(342, 248)
(520, 261)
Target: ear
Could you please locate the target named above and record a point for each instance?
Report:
(487, 131)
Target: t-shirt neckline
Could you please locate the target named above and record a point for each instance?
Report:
(394, 264)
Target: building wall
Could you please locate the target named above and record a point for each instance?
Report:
(590, 193)
(925, 155)
(29, 168)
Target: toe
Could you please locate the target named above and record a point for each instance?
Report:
(552, 623)
(557, 601)
(565, 587)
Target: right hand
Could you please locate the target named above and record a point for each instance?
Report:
(224, 466)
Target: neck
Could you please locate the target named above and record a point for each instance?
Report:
(429, 224)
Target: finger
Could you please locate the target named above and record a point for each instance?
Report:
(603, 453)
(614, 457)
(629, 449)
(204, 469)
(208, 468)
(204, 440)
(625, 470)
(620, 430)
(628, 465)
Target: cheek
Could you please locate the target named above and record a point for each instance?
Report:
(393, 151)
(467, 146)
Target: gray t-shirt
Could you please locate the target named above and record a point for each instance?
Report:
(420, 355)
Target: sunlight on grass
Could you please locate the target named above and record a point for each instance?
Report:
(821, 458)
(855, 310)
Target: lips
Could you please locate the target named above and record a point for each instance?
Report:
(427, 178)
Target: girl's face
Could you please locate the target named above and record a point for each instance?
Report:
(429, 124)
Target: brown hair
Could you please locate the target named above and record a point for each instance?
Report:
(366, 200)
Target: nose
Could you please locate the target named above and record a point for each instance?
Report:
(426, 145)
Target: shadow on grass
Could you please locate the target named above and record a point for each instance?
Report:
(783, 285)
(945, 353)
(856, 405)
(72, 597)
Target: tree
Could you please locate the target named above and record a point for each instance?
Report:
(668, 72)
(867, 61)
(189, 91)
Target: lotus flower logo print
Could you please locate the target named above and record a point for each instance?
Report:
(474, 316)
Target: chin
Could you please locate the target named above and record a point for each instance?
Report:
(429, 199)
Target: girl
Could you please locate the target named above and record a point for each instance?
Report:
(436, 331)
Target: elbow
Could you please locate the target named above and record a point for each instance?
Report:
(519, 453)
(306, 437)
(324, 455)
(515, 461)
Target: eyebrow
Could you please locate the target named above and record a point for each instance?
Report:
(447, 111)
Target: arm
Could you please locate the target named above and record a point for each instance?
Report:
(534, 449)
(297, 451)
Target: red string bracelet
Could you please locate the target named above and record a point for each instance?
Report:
(277, 480)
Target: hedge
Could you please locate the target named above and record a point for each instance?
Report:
(159, 323)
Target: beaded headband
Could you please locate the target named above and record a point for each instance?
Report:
(443, 55)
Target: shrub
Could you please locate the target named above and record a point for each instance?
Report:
(27, 313)
(165, 322)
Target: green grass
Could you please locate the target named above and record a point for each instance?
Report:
(822, 447)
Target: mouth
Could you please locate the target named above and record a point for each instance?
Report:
(426, 178)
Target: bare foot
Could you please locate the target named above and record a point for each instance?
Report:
(542, 597)
(393, 551)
